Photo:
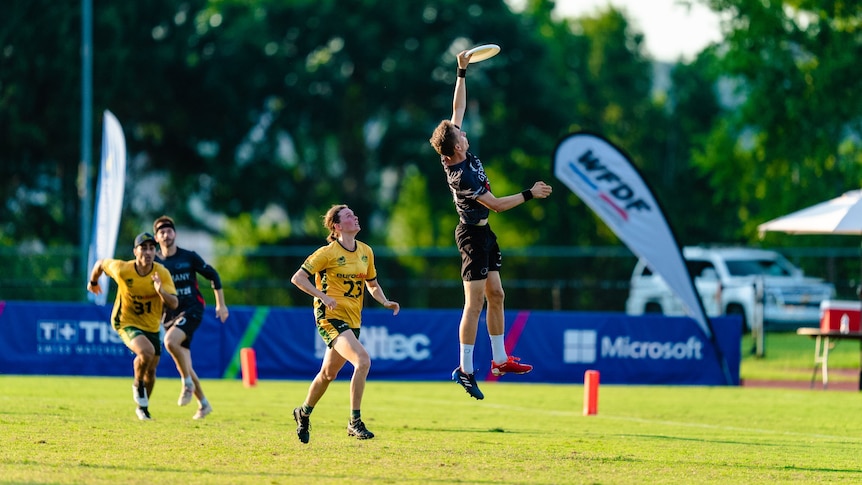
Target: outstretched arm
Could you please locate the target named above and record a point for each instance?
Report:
(540, 190)
(459, 103)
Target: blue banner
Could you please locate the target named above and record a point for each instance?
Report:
(77, 339)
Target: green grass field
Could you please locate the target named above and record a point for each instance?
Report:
(83, 430)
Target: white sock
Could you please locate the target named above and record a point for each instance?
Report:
(467, 358)
(188, 382)
(140, 396)
(498, 349)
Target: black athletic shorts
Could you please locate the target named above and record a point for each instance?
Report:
(479, 251)
(188, 322)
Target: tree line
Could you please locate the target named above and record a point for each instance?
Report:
(248, 119)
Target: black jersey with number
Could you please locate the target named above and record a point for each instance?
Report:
(467, 181)
(184, 266)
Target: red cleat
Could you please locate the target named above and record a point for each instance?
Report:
(511, 366)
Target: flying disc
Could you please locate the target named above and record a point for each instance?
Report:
(482, 52)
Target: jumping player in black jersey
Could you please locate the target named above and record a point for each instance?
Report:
(481, 259)
(182, 323)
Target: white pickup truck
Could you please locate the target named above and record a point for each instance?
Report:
(726, 278)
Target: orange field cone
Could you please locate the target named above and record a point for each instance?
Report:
(248, 363)
(591, 392)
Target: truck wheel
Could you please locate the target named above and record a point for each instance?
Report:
(653, 307)
(738, 310)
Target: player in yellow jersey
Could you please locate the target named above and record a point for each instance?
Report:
(342, 271)
(144, 288)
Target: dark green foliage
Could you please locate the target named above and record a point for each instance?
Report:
(248, 119)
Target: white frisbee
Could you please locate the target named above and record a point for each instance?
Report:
(482, 52)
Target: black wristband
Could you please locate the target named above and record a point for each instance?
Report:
(94, 283)
(527, 195)
(462, 72)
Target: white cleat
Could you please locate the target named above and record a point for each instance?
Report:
(203, 412)
(186, 395)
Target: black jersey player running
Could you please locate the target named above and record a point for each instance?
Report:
(481, 259)
(182, 323)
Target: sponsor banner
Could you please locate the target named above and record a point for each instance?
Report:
(415, 345)
(651, 350)
(609, 183)
(77, 339)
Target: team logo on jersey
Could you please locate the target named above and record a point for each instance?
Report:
(129, 282)
(480, 173)
(341, 261)
(178, 320)
(364, 258)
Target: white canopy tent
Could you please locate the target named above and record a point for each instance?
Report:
(841, 215)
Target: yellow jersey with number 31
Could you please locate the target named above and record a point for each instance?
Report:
(137, 304)
(341, 274)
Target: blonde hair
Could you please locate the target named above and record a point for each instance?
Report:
(331, 219)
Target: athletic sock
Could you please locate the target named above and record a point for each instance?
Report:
(188, 382)
(306, 409)
(141, 394)
(467, 358)
(355, 415)
(498, 349)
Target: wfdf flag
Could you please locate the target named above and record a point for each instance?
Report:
(606, 180)
(109, 199)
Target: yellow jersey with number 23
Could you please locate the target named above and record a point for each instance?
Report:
(341, 274)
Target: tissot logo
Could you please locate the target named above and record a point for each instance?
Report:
(58, 331)
(76, 331)
(77, 337)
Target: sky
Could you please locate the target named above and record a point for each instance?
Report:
(671, 30)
